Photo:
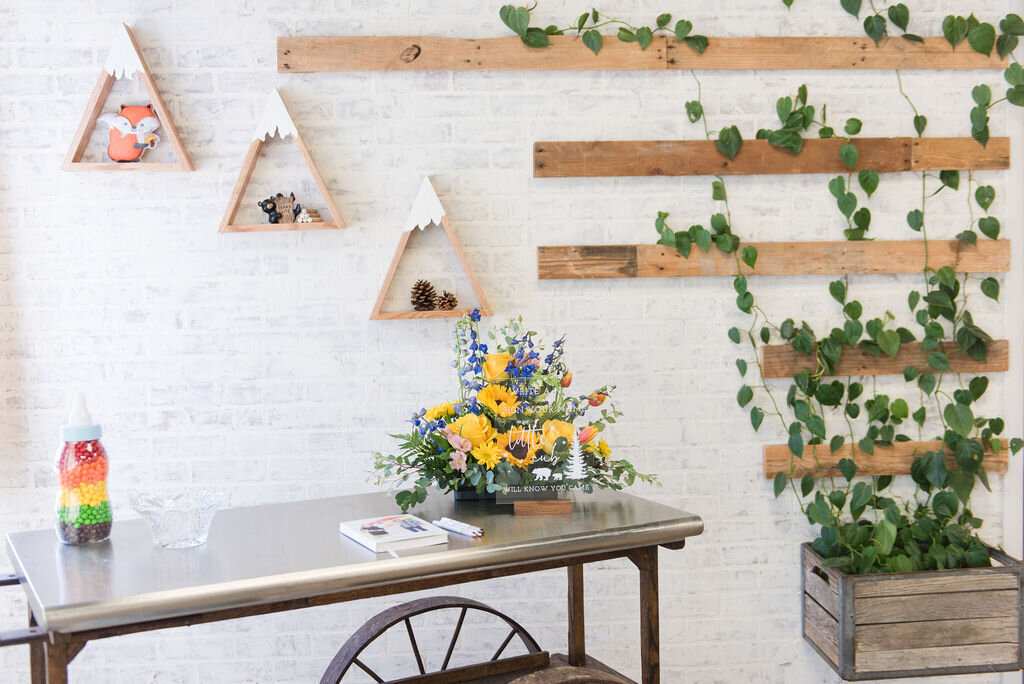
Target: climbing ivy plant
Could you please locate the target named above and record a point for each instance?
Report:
(864, 526)
(587, 26)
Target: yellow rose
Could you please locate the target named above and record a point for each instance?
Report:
(494, 366)
(477, 429)
(552, 430)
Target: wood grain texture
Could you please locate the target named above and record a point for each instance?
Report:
(277, 227)
(304, 54)
(412, 315)
(937, 657)
(36, 656)
(781, 361)
(822, 629)
(821, 584)
(576, 159)
(577, 620)
(646, 561)
(961, 604)
(955, 632)
(558, 262)
(909, 584)
(819, 461)
(543, 507)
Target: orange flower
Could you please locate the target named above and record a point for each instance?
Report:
(586, 434)
(596, 399)
(566, 379)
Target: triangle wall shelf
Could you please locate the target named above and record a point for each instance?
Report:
(276, 120)
(427, 210)
(124, 61)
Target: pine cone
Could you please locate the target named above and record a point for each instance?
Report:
(423, 296)
(447, 301)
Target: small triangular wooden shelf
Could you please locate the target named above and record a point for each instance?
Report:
(427, 210)
(276, 120)
(125, 59)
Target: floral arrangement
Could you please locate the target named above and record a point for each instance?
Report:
(514, 424)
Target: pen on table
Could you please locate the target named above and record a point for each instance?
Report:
(456, 529)
(466, 526)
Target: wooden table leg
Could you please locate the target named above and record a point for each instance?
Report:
(57, 662)
(36, 655)
(646, 561)
(577, 630)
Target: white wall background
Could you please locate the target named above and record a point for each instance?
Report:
(247, 361)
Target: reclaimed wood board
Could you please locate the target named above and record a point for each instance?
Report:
(819, 461)
(782, 361)
(938, 622)
(559, 262)
(305, 54)
(578, 159)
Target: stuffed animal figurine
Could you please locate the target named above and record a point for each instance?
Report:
(279, 207)
(131, 132)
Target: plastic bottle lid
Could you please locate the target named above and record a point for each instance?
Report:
(80, 426)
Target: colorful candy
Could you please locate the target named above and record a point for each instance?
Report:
(83, 510)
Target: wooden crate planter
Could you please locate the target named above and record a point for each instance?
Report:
(914, 624)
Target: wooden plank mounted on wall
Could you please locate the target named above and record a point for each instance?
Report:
(781, 361)
(819, 461)
(304, 54)
(774, 258)
(577, 159)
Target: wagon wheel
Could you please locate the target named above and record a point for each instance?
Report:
(376, 626)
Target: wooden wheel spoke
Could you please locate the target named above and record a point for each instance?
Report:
(503, 645)
(367, 670)
(375, 627)
(415, 648)
(455, 637)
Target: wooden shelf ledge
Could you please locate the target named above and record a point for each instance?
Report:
(277, 227)
(781, 361)
(305, 54)
(819, 461)
(580, 159)
(774, 258)
(399, 315)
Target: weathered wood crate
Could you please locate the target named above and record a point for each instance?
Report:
(914, 624)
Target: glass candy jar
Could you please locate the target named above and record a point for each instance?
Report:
(83, 510)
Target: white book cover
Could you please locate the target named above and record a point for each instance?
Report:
(393, 533)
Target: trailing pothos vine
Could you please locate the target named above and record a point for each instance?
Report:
(587, 24)
(864, 527)
(981, 37)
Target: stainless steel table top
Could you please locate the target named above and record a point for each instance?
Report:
(288, 551)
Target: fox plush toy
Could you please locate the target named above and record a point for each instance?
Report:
(131, 132)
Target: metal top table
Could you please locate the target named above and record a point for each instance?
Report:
(282, 556)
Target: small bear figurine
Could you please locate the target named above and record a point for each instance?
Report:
(278, 206)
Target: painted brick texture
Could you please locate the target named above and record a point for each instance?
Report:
(247, 361)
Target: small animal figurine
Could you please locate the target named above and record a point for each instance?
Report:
(277, 207)
(131, 132)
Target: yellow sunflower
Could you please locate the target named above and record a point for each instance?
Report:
(605, 450)
(477, 429)
(499, 399)
(551, 430)
(487, 454)
(442, 410)
(518, 446)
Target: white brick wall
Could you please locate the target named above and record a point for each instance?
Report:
(247, 361)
